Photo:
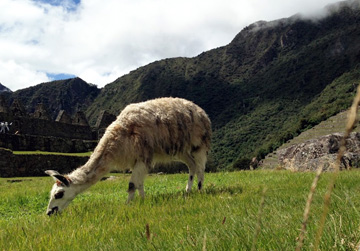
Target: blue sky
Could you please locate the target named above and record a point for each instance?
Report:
(70, 5)
(101, 40)
(56, 2)
(59, 76)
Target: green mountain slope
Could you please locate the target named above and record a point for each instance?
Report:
(334, 124)
(70, 95)
(261, 89)
(326, 114)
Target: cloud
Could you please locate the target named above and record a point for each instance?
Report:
(20, 75)
(101, 40)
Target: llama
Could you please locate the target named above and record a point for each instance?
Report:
(156, 131)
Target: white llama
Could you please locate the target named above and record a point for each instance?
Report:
(160, 130)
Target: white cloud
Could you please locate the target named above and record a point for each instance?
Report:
(20, 75)
(101, 40)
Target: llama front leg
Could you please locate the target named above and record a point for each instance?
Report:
(200, 159)
(137, 181)
(190, 180)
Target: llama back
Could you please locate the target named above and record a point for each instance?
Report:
(164, 126)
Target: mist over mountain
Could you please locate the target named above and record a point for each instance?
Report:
(4, 89)
(274, 80)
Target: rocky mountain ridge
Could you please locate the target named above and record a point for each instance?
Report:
(70, 95)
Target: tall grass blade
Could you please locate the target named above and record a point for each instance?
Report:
(351, 122)
(204, 243)
(258, 225)
(307, 208)
(148, 236)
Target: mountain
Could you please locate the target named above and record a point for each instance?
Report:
(269, 84)
(273, 81)
(70, 95)
(4, 89)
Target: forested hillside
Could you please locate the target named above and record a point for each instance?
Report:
(272, 81)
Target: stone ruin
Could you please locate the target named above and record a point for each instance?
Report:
(16, 109)
(41, 112)
(80, 119)
(40, 123)
(321, 152)
(3, 106)
(38, 132)
(63, 117)
(103, 121)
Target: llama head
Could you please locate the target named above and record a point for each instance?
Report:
(62, 193)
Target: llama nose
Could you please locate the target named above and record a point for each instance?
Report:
(52, 211)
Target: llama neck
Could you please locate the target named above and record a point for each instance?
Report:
(90, 173)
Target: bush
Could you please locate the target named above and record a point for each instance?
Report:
(242, 164)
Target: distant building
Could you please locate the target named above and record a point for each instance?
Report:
(41, 112)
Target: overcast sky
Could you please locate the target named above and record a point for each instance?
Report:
(101, 40)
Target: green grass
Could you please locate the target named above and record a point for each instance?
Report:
(223, 217)
(86, 154)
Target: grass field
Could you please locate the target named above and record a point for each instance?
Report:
(225, 216)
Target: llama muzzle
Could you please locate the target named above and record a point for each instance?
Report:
(52, 211)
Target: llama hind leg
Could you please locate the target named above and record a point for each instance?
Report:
(200, 177)
(200, 159)
(137, 181)
(190, 162)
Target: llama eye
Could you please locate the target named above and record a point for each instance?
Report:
(59, 195)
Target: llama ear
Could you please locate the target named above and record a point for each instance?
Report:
(58, 177)
(52, 172)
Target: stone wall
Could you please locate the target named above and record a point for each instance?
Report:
(19, 142)
(38, 132)
(12, 165)
(34, 126)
